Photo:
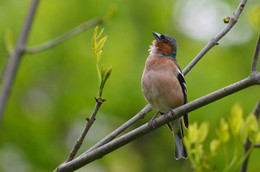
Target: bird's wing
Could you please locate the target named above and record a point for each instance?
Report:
(184, 91)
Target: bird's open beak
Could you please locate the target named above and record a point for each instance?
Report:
(157, 36)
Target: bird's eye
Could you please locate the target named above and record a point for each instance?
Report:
(165, 41)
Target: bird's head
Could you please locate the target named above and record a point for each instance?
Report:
(165, 45)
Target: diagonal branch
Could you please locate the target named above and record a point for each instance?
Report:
(15, 58)
(54, 42)
(255, 59)
(248, 143)
(257, 145)
(158, 122)
(122, 128)
(257, 110)
(214, 41)
(89, 123)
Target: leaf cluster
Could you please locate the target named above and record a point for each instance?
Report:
(97, 50)
(236, 127)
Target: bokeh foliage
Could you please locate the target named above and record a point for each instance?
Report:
(54, 90)
(237, 126)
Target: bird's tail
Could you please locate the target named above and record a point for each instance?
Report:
(180, 149)
(177, 130)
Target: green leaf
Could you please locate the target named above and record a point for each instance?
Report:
(94, 38)
(199, 152)
(97, 51)
(251, 128)
(222, 132)
(94, 44)
(99, 54)
(105, 73)
(252, 122)
(236, 120)
(193, 133)
(214, 145)
(203, 132)
(101, 43)
(100, 34)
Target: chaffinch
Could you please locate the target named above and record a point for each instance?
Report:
(164, 87)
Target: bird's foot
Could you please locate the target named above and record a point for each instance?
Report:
(151, 122)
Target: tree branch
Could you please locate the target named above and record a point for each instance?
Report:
(86, 158)
(89, 123)
(248, 143)
(214, 41)
(122, 128)
(255, 60)
(52, 43)
(15, 58)
(257, 145)
(256, 111)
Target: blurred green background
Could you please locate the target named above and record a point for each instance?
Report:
(54, 90)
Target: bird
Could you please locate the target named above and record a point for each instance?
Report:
(164, 86)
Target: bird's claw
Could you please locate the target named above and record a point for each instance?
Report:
(151, 122)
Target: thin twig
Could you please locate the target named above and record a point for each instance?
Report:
(256, 111)
(248, 143)
(52, 43)
(214, 41)
(257, 145)
(158, 122)
(15, 58)
(255, 60)
(89, 123)
(119, 130)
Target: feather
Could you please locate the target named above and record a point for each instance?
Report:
(184, 91)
